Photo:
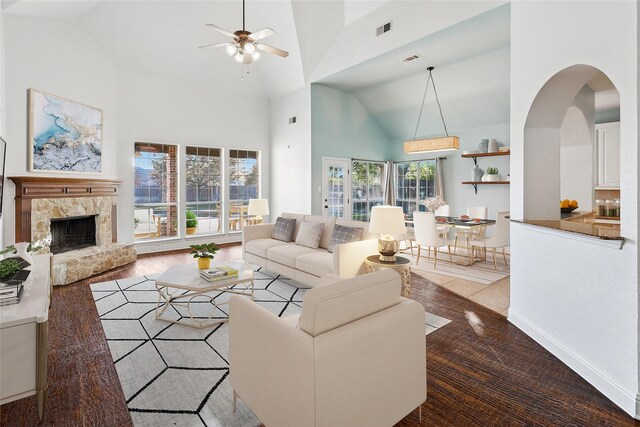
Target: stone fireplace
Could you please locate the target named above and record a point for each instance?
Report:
(78, 217)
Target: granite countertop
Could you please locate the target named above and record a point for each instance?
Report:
(585, 227)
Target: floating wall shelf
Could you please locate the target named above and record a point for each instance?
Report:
(474, 156)
(476, 183)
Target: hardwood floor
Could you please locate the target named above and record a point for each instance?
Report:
(502, 378)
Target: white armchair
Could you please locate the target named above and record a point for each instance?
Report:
(356, 356)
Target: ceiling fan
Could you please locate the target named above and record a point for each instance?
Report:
(245, 46)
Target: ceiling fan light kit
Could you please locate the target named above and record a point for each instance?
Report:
(431, 145)
(244, 47)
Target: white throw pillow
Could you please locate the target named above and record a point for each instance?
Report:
(310, 234)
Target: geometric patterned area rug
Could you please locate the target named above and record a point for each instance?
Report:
(177, 375)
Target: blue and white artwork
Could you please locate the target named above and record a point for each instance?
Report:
(66, 136)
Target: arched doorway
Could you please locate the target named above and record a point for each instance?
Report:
(571, 94)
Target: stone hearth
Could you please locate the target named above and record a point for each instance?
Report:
(40, 199)
(75, 265)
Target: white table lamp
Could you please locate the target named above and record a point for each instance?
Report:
(387, 221)
(258, 207)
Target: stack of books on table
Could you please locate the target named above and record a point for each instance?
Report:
(10, 294)
(218, 273)
(11, 286)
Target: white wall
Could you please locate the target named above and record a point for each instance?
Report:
(154, 109)
(68, 64)
(577, 299)
(136, 108)
(291, 153)
(577, 148)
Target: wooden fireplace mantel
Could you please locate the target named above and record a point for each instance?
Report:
(40, 187)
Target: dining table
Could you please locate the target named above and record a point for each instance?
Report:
(460, 222)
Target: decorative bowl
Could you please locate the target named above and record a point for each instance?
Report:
(568, 210)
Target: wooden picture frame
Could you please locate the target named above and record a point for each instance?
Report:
(65, 136)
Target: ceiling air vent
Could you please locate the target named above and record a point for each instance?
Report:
(383, 29)
(411, 58)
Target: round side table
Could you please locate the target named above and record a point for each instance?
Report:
(401, 265)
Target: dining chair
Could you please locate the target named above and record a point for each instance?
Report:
(444, 210)
(478, 232)
(499, 239)
(427, 235)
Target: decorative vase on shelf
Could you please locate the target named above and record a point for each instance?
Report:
(493, 146)
(476, 173)
(491, 177)
(483, 146)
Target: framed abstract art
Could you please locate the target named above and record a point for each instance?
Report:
(64, 135)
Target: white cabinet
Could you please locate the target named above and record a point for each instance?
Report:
(24, 336)
(608, 149)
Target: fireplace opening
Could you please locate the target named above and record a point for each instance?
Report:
(68, 234)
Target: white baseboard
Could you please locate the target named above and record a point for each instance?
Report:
(627, 399)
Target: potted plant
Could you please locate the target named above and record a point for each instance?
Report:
(204, 254)
(491, 175)
(192, 222)
(8, 268)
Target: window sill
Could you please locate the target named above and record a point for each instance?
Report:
(195, 236)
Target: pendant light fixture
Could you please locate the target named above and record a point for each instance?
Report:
(430, 145)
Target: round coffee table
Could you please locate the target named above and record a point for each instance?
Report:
(173, 283)
(401, 265)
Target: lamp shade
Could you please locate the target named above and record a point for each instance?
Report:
(258, 207)
(387, 220)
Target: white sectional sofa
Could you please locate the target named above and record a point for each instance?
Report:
(303, 264)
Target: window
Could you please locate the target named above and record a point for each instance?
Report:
(414, 181)
(367, 187)
(204, 190)
(244, 184)
(155, 191)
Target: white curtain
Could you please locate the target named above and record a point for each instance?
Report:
(389, 191)
(439, 184)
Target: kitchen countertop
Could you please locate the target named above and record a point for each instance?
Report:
(580, 223)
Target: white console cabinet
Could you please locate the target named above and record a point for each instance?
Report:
(24, 338)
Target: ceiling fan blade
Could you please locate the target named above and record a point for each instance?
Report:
(270, 49)
(262, 34)
(222, 30)
(215, 45)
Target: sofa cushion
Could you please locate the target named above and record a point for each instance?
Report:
(331, 306)
(259, 247)
(317, 263)
(342, 234)
(283, 229)
(366, 235)
(299, 220)
(328, 228)
(309, 234)
(287, 254)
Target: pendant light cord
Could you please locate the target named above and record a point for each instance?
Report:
(424, 97)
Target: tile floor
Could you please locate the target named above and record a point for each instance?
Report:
(494, 296)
